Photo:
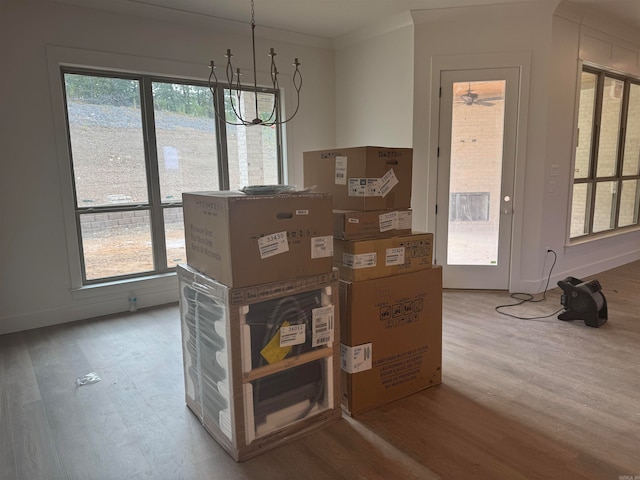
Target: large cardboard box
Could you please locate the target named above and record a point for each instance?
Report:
(375, 258)
(355, 224)
(391, 334)
(362, 178)
(242, 240)
(261, 363)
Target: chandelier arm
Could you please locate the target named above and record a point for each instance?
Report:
(230, 80)
(231, 88)
(238, 90)
(213, 89)
(273, 116)
(297, 84)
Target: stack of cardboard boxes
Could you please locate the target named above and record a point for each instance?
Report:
(390, 291)
(260, 319)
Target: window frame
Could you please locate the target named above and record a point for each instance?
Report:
(154, 205)
(592, 180)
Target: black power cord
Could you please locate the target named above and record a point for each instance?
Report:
(288, 309)
(528, 298)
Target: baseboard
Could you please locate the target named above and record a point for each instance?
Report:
(83, 311)
(537, 286)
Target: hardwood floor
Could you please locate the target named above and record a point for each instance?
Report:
(520, 399)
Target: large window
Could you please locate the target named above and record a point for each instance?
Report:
(137, 143)
(606, 180)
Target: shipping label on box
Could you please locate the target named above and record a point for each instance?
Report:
(357, 225)
(394, 256)
(341, 170)
(387, 182)
(355, 359)
(273, 244)
(363, 260)
(388, 221)
(323, 325)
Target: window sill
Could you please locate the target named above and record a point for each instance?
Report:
(577, 243)
(132, 286)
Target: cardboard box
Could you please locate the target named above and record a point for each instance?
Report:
(242, 240)
(354, 224)
(391, 338)
(375, 258)
(261, 363)
(362, 178)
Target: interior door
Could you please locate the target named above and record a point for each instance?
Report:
(476, 166)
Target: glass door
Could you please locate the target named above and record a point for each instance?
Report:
(476, 163)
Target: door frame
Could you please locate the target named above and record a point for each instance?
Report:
(469, 275)
(521, 60)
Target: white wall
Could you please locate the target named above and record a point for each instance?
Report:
(374, 87)
(35, 273)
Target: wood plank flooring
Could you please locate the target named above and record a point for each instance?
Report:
(520, 399)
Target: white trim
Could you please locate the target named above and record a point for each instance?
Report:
(378, 29)
(536, 286)
(174, 14)
(73, 313)
(572, 160)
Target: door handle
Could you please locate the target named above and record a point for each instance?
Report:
(507, 209)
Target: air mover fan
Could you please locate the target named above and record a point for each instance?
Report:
(583, 300)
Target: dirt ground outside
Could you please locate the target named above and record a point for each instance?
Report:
(130, 251)
(109, 170)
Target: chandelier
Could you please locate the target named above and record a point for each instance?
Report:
(234, 84)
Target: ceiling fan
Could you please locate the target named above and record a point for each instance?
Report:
(471, 98)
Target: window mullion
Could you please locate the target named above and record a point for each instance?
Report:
(153, 176)
(221, 130)
(621, 146)
(595, 144)
(279, 148)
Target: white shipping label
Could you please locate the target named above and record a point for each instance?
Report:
(364, 187)
(355, 359)
(302, 212)
(273, 244)
(322, 319)
(341, 170)
(388, 221)
(353, 220)
(386, 183)
(322, 247)
(405, 220)
(292, 335)
(362, 260)
(395, 256)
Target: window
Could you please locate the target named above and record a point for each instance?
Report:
(469, 207)
(606, 179)
(136, 144)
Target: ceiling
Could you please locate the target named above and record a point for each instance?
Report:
(334, 18)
